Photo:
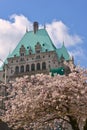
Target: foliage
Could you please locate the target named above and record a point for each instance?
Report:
(42, 101)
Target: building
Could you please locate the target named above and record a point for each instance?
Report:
(35, 53)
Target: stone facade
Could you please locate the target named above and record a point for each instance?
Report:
(32, 63)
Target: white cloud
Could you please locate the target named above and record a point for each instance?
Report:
(12, 30)
(78, 52)
(79, 55)
(59, 32)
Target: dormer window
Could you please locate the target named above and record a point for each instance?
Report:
(62, 58)
(30, 51)
(14, 55)
(46, 50)
(22, 54)
(38, 51)
(22, 50)
(38, 47)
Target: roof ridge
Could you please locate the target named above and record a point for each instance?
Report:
(50, 39)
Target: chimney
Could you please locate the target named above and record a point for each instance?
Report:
(35, 27)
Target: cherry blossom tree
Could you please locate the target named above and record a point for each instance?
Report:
(42, 101)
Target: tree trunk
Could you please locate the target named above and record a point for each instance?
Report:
(85, 126)
(73, 123)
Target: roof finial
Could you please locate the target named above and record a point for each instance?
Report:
(26, 29)
(63, 43)
(44, 26)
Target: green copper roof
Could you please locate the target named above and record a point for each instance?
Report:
(30, 39)
(1, 68)
(63, 52)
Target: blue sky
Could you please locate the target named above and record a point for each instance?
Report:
(67, 19)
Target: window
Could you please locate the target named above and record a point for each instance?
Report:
(22, 59)
(43, 66)
(30, 51)
(32, 67)
(49, 65)
(12, 61)
(38, 51)
(27, 68)
(38, 57)
(22, 69)
(12, 71)
(46, 50)
(38, 47)
(22, 54)
(38, 66)
(22, 50)
(16, 69)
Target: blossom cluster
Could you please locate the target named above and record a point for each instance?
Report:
(37, 100)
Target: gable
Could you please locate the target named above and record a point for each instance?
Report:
(63, 52)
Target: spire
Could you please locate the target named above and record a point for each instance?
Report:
(26, 29)
(63, 44)
(44, 26)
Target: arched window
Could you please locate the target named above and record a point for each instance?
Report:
(16, 69)
(38, 66)
(22, 69)
(27, 68)
(43, 66)
(32, 67)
